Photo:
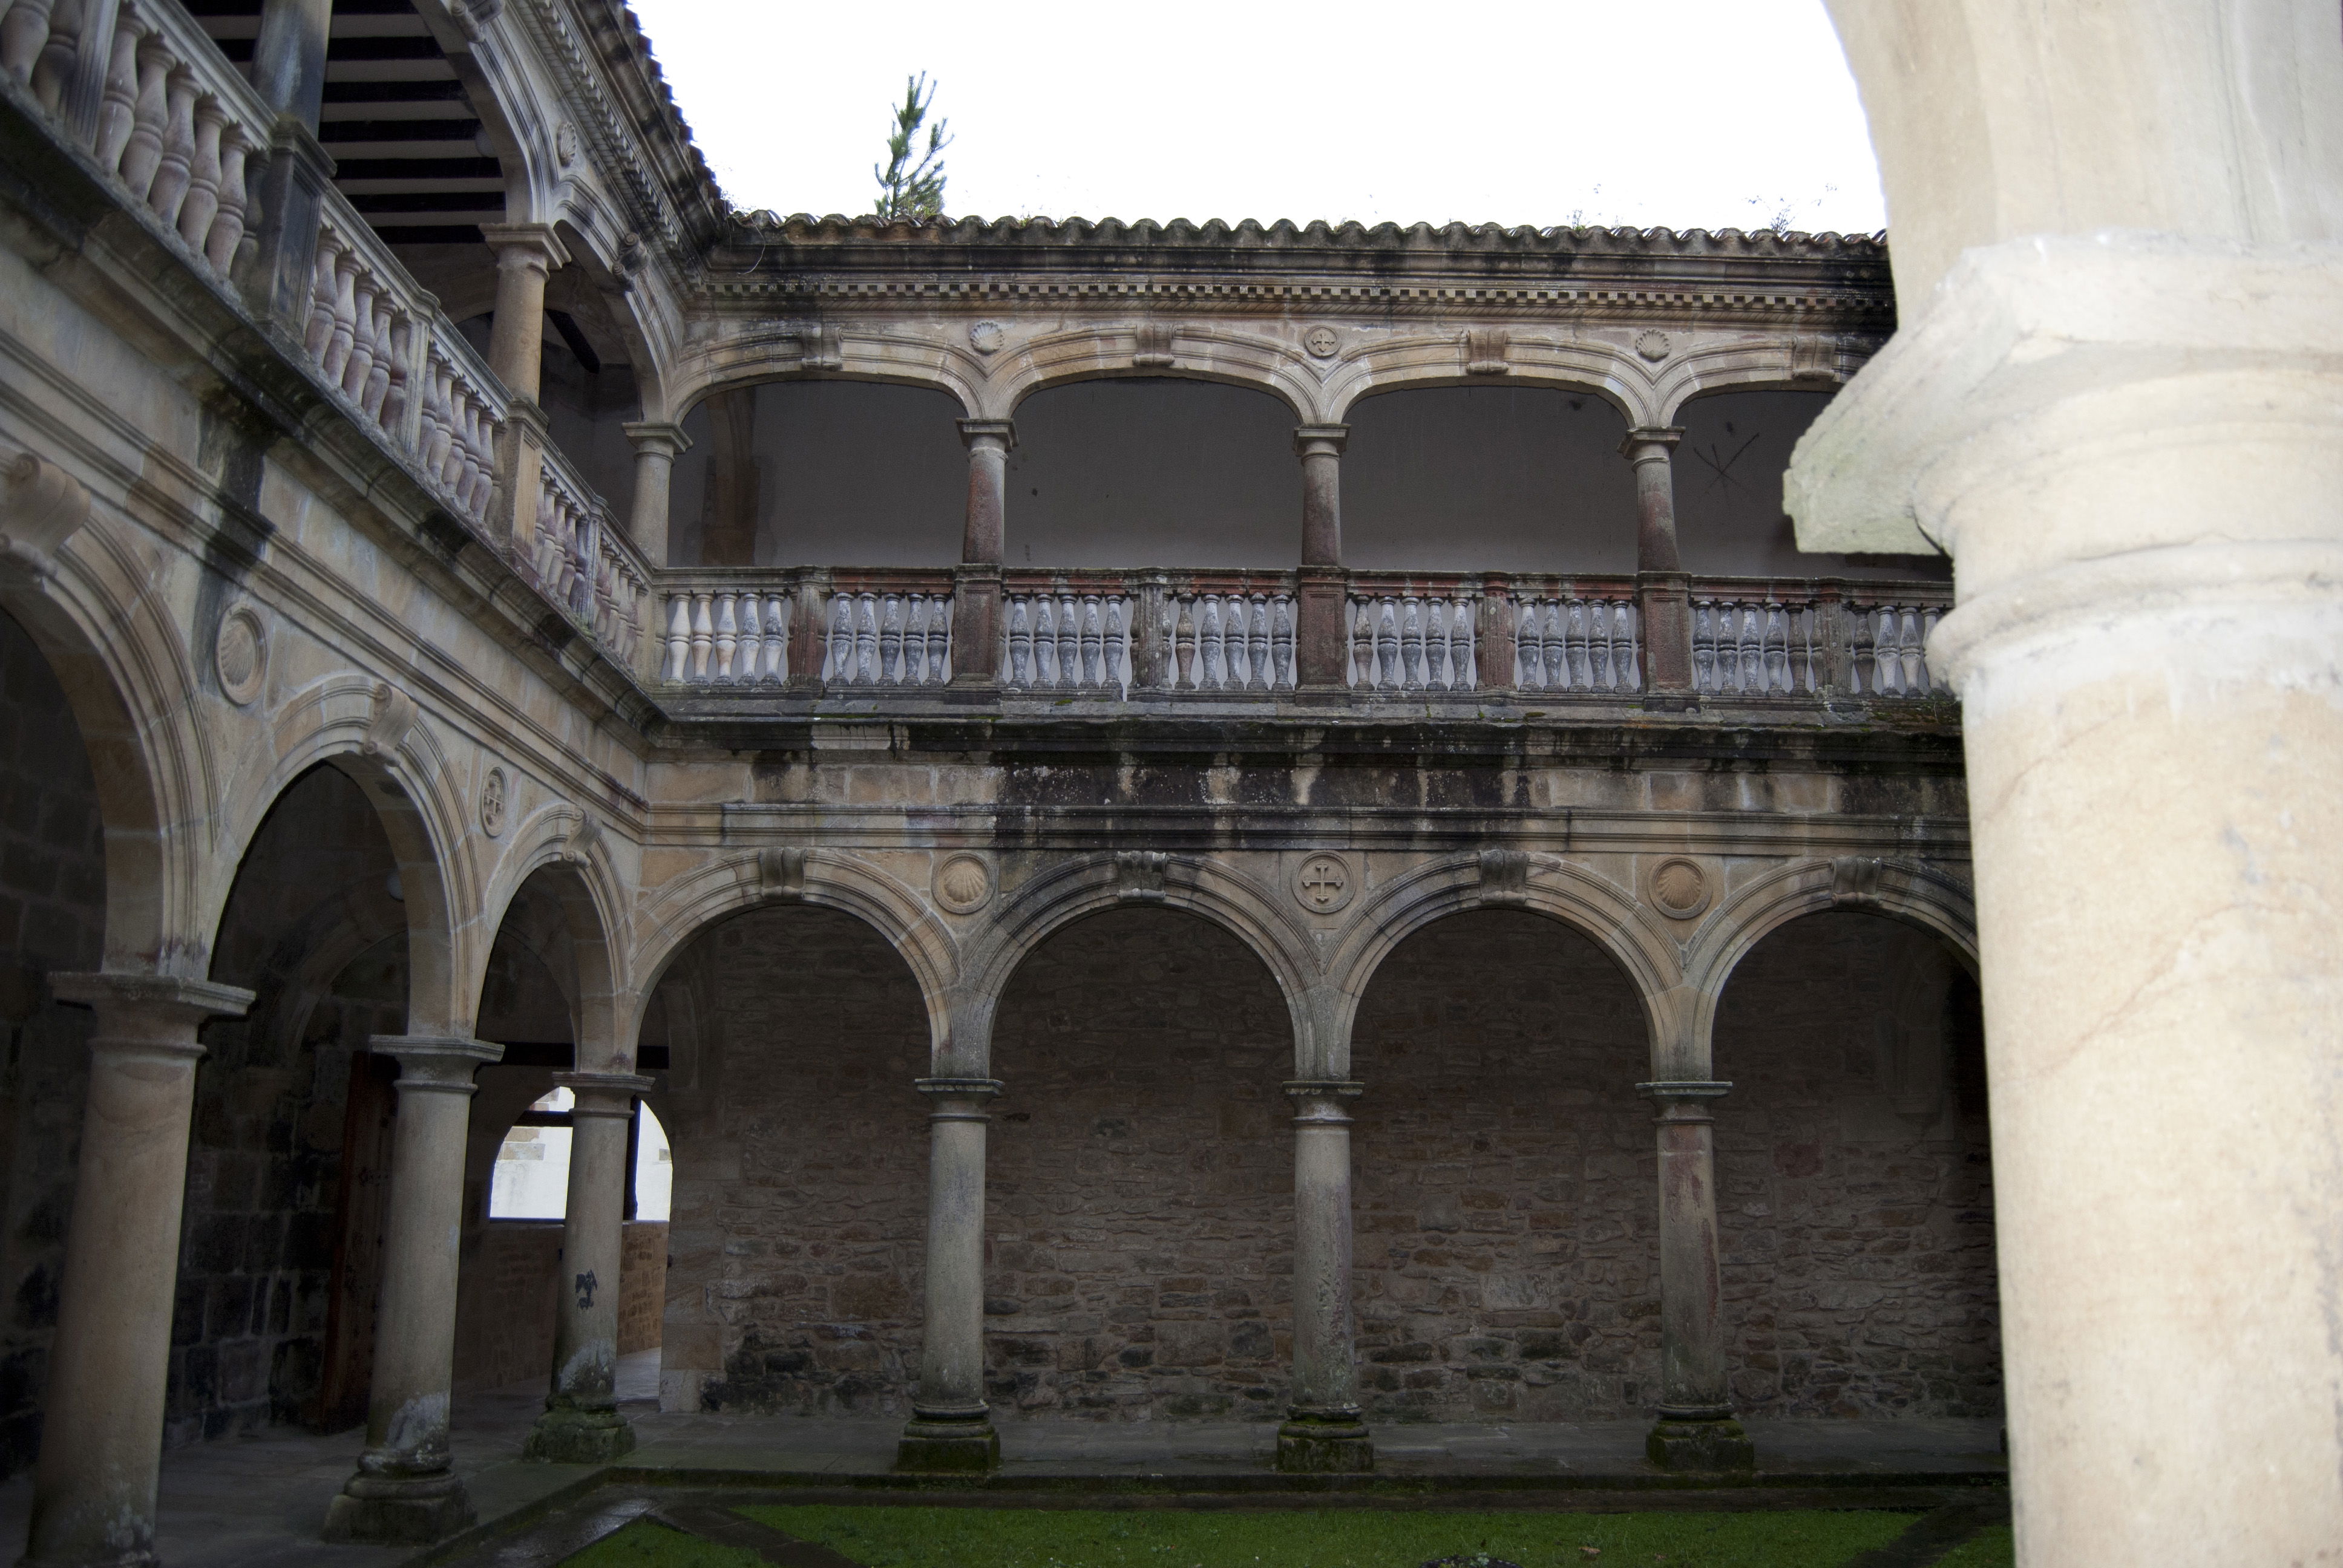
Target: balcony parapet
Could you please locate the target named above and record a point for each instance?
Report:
(1417, 641)
(182, 140)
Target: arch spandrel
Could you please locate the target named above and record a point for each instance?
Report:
(1630, 935)
(669, 919)
(375, 736)
(1913, 891)
(1070, 890)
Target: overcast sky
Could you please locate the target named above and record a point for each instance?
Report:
(1692, 113)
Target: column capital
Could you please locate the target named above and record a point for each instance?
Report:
(166, 1000)
(1651, 443)
(958, 1099)
(526, 242)
(437, 1062)
(975, 432)
(1319, 440)
(604, 1093)
(1320, 1101)
(657, 438)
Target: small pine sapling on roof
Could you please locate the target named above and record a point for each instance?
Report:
(909, 188)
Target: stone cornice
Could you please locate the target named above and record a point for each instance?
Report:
(967, 266)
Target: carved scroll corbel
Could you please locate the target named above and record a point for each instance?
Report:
(1139, 875)
(45, 505)
(394, 716)
(780, 874)
(1505, 876)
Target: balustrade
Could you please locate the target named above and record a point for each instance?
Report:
(1143, 636)
(1574, 643)
(1889, 643)
(888, 639)
(1226, 642)
(1067, 641)
(1755, 648)
(175, 127)
(1414, 642)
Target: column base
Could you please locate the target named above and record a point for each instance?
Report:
(1326, 1445)
(1713, 1445)
(578, 1437)
(399, 1510)
(949, 1448)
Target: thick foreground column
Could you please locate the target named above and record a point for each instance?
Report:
(2133, 447)
(1321, 626)
(950, 1427)
(581, 1424)
(403, 1490)
(1695, 1430)
(1323, 1432)
(102, 1427)
(656, 446)
(976, 586)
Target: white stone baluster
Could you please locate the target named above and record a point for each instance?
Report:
(1212, 655)
(891, 641)
(171, 174)
(1258, 677)
(728, 632)
(1280, 645)
(1092, 632)
(1363, 643)
(703, 633)
(1020, 643)
(678, 635)
(24, 31)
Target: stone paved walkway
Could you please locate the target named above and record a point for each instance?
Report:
(257, 1502)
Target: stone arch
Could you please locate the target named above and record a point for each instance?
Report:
(554, 848)
(1066, 893)
(1628, 934)
(1912, 891)
(1248, 360)
(756, 354)
(1747, 364)
(665, 923)
(374, 733)
(1575, 365)
(95, 620)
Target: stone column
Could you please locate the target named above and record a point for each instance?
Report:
(2130, 444)
(405, 1490)
(101, 1430)
(976, 591)
(950, 1427)
(1321, 632)
(1323, 1432)
(581, 1424)
(526, 254)
(289, 58)
(1695, 1430)
(1662, 592)
(656, 446)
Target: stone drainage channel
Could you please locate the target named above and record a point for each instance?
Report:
(1948, 1517)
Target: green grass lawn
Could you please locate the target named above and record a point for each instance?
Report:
(643, 1545)
(1289, 1538)
(1993, 1548)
